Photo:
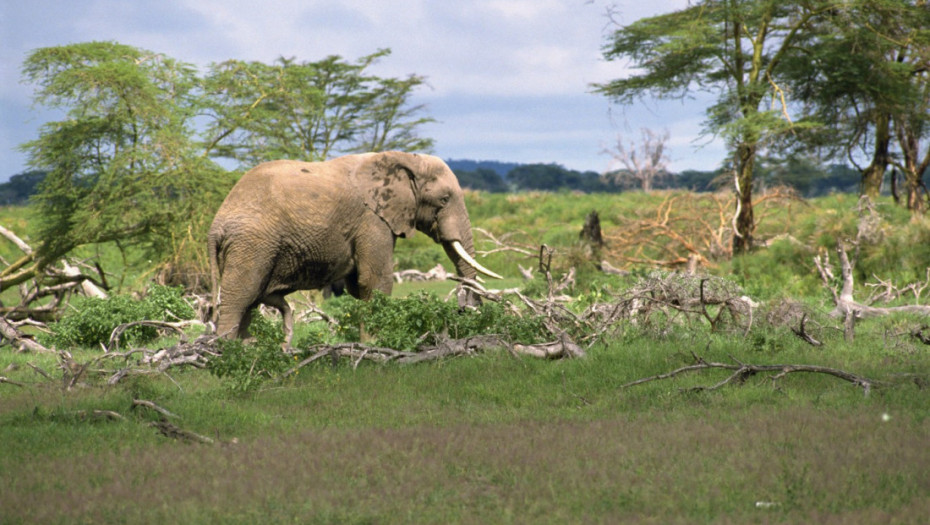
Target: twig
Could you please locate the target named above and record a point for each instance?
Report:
(178, 327)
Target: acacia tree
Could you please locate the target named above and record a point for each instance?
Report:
(122, 165)
(732, 48)
(863, 76)
(309, 110)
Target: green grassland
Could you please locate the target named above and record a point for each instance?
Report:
(497, 438)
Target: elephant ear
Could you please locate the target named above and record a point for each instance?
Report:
(386, 183)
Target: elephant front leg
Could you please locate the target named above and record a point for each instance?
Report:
(374, 266)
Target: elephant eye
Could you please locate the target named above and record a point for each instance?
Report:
(444, 200)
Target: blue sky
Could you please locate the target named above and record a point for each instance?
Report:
(508, 80)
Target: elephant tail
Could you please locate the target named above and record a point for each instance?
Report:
(214, 242)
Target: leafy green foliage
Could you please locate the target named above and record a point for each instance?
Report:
(246, 366)
(92, 320)
(309, 110)
(122, 166)
(695, 48)
(423, 318)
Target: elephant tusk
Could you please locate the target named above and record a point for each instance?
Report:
(459, 249)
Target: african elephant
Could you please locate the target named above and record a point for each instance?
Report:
(290, 225)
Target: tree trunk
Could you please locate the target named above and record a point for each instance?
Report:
(591, 231)
(873, 175)
(744, 223)
(913, 169)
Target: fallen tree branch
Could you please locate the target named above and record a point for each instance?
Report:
(150, 405)
(846, 305)
(176, 327)
(7, 380)
(742, 371)
(563, 348)
(801, 332)
(173, 431)
(20, 341)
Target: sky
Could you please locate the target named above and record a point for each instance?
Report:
(506, 80)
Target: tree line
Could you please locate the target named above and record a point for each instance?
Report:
(808, 178)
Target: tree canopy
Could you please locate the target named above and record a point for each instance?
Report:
(124, 164)
(309, 110)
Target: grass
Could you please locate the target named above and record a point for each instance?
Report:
(486, 439)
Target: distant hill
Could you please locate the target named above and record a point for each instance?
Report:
(501, 168)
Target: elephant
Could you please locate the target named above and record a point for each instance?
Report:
(290, 225)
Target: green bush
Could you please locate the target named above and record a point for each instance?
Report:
(422, 318)
(92, 320)
(247, 365)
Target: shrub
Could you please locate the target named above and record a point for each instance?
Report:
(247, 365)
(92, 320)
(405, 323)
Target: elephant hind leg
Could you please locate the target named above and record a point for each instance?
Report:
(278, 301)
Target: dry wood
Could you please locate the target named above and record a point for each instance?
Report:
(20, 341)
(846, 305)
(504, 244)
(742, 371)
(562, 348)
(108, 415)
(7, 380)
(437, 273)
(150, 405)
(801, 332)
(642, 165)
(173, 431)
(686, 229)
(177, 327)
(920, 334)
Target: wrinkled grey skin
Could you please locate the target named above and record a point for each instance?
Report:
(290, 225)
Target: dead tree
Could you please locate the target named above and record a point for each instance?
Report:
(643, 165)
(846, 306)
